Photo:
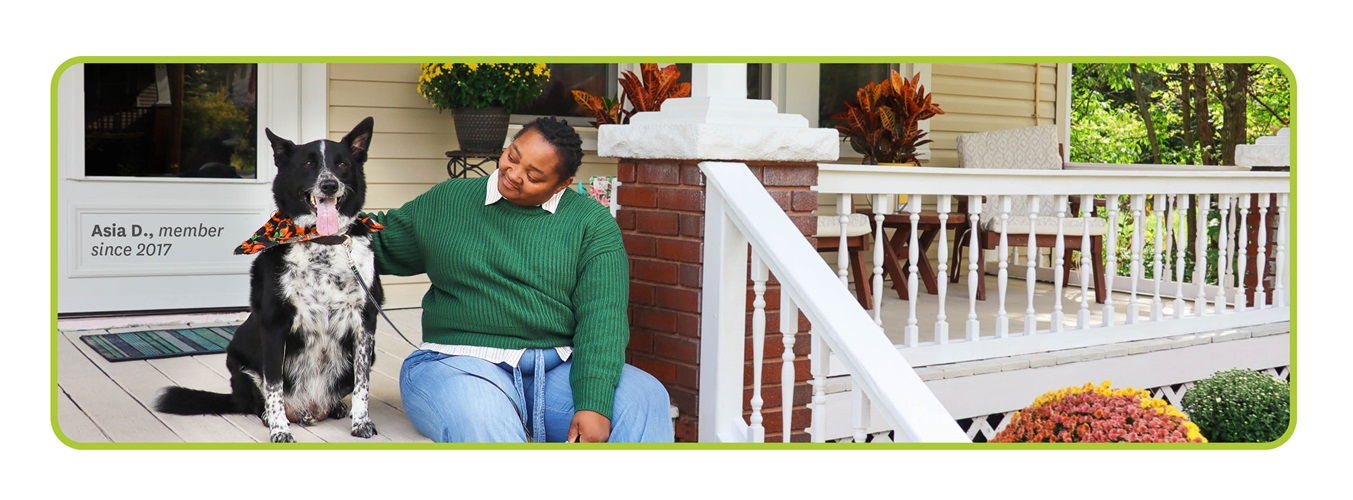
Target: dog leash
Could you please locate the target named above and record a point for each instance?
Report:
(352, 263)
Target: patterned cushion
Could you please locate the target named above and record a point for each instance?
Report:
(1021, 148)
(829, 226)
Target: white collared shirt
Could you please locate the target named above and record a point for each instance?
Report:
(493, 195)
(512, 357)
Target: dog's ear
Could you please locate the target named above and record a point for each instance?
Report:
(360, 137)
(281, 148)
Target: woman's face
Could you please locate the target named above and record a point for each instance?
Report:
(528, 170)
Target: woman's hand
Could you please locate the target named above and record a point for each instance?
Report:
(589, 427)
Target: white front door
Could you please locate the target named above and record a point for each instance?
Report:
(162, 169)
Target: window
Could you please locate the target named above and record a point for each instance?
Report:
(838, 83)
(171, 120)
(601, 80)
(556, 99)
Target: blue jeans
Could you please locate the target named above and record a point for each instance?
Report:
(467, 399)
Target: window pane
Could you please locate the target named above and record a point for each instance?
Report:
(838, 84)
(556, 99)
(167, 120)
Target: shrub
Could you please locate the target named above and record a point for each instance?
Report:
(1098, 414)
(1239, 406)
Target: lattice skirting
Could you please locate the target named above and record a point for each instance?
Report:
(983, 428)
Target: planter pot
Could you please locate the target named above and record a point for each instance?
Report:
(481, 129)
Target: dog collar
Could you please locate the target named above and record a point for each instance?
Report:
(281, 230)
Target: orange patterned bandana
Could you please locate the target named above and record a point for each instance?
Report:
(280, 231)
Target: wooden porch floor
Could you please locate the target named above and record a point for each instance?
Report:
(103, 402)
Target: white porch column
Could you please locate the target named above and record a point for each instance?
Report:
(670, 221)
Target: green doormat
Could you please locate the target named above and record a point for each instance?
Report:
(151, 344)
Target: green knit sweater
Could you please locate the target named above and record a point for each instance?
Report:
(513, 277)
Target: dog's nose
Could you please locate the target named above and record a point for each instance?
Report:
(328, 187)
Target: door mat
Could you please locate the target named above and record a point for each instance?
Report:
(151, 344)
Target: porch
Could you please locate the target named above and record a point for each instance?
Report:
(105, 402)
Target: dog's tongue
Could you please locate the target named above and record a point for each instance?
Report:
(326, 213)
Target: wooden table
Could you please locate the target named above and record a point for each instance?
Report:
(897, 247)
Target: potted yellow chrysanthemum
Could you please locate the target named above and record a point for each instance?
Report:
(481, 96)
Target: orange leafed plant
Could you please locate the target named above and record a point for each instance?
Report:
(644, 93)
(883, 123)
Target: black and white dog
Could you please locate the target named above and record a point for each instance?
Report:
(309, 340)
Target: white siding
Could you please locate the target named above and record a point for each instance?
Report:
(983, 97)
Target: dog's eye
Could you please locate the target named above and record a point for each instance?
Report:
(309, 163)
(342, 165)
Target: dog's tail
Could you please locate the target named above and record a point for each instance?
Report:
(183, 401)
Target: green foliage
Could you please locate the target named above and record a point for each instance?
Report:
(474, 85)
(1104, 134)
(210, 110)
(1239, 406)
(1107, 125)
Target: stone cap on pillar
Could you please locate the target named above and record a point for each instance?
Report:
(1267, 151)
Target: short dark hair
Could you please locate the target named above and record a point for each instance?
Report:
(564, 139)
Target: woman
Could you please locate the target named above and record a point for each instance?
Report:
(530, 284)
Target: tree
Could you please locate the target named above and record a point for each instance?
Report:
(1173, 113)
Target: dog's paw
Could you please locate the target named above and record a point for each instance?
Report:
(283, 437)
(363, 429)
(340, 410)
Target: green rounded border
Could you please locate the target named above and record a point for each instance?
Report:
(1292, 251)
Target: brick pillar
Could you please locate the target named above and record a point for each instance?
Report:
(662, 218)
(662, 211)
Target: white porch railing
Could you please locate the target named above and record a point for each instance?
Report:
(1165, 296)
(739, 212)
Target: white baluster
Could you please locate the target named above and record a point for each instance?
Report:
(1181, 232)
(1169, 236)
(1200, 254)
(1111, 253)
(757, 432)
(1138, 204)
(913, 330)
(1002, 277)
(1280, 255)
(1059, 249)
(879, 207)
(1261, 256)
(1031, 275)
(973, 326)
(1158, 208)
(818, 364)
(942, 206)
(1232, 213)
(859, 412)
(1087, 212)
(1242, 249)
(843, 209)
(788, 329)
(1223, 204)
